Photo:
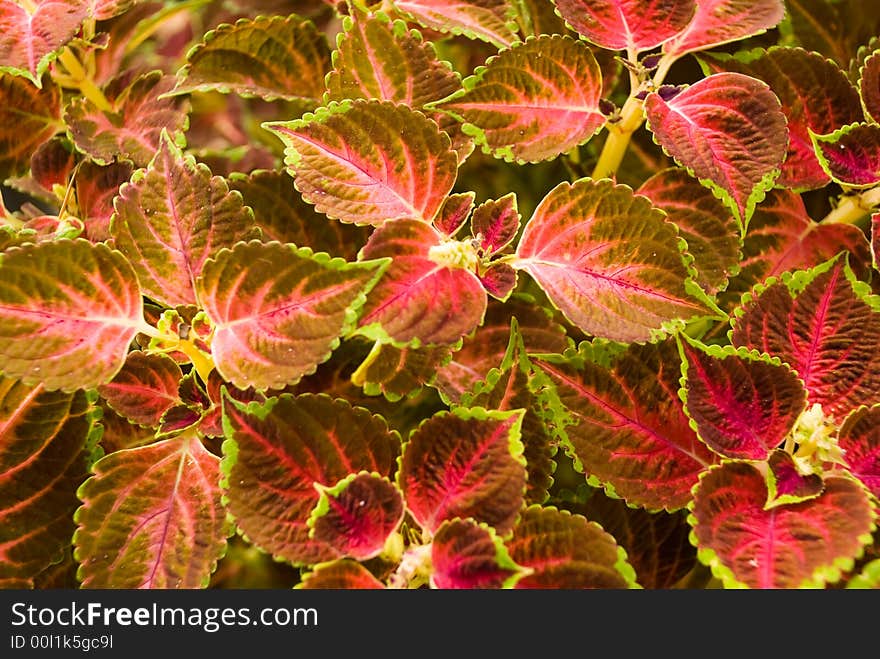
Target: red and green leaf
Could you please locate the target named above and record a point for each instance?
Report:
(625, 426)
(782, 237)
(465, 463)
(68, 311)
(486, 348)
(532, 102)
(454, 213)
(729, 130)
(743, 405)
(28, 118)
(283, 216)
(343, 574)
(152, 518)
(367, 162)
(382, 59)
(132, 129)
(818, 323)
(608, 260)
(562, 550)
(46, 443)
(508, 387)
(816, 96)
(467, 555)
(96, 188)
(717, 22)
(144, 388)
(357, 515)
(171, 218)
(495, 223)
(270, 57)
(278, 311)
(487, 20)
(399, 372)
(419, 300)
(708, 227)
(276, 452)
(859, 439)
(630, 25)
(499, 280)
(32, 34)
(785, 482)
(796, 545)
(869, 87)
(851, 154)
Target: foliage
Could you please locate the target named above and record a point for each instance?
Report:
(473, 294)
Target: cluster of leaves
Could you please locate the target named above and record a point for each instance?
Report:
(270, 315)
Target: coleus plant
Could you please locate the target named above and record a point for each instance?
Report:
(272, 314)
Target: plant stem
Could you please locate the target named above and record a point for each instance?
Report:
(631, 117)
(853, 208)
(86, 85)
(200, 361)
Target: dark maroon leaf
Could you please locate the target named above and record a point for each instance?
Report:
(859, 439)
(786, 484)
(144, 389)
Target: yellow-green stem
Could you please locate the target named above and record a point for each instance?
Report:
(619, 135)
(200, 361)
(86, 85)
(854, 208)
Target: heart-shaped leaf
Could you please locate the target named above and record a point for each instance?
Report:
(283, 216)
(134, 126)
(782, 237)
(534, 101)
(277, 451)
(28, 118)
(816, 95)
(717, 22)
(608, 260)
(630, 25)
(171, 218)
(851, 154)
(656, 544)
(508, 387)
(488, 20)
(357, 515)
(465, 463)
(278, 310)
(743, 405)
(46, 443)
(859, 439)
(341, 159)
(703, 221)
(625, 427)
(144, 389)
(818, 323)
(152, 518)
(729, 130)
(499, 280)
(68, 311)
(385, 60)
(340, 574)
(34, 32)
(270, 57)
(421, 298)
(567, 551)
(796, 545)
(465, 554)
(869, 87)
